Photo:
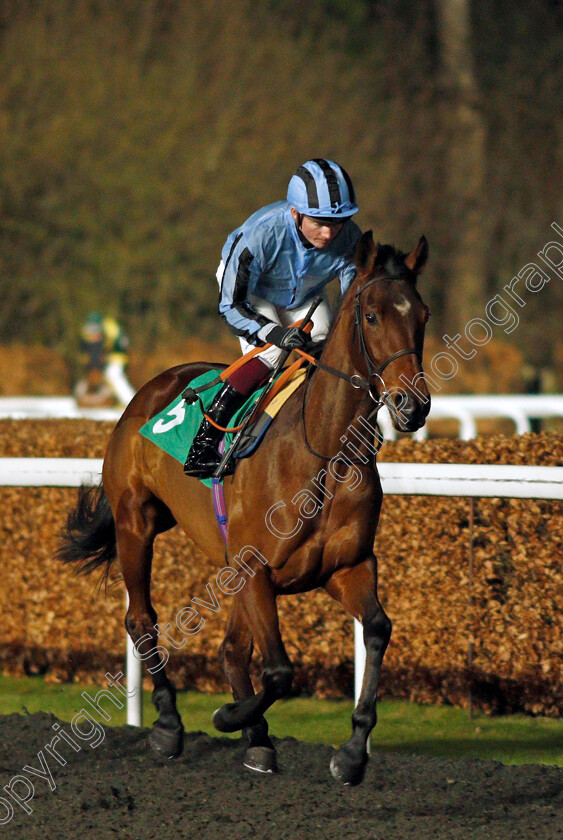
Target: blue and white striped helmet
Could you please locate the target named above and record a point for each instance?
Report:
(322, 188)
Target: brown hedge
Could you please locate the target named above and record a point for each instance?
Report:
(506, 610)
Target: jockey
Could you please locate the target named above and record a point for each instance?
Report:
(272, 267)
(103, 347)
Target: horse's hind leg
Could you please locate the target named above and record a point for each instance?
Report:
(137, 522)
(356, 589)
(236, 653)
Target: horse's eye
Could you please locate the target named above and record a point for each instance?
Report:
(371, 317)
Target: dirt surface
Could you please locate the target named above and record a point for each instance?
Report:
(119, 789)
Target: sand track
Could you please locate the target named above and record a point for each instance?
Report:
(119, 789)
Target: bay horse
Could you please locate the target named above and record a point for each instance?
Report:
(376, 338)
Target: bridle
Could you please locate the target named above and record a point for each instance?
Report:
(355, 380)
(373, 369)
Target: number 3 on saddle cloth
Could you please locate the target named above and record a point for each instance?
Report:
(174, 428)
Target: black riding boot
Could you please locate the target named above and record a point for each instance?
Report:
(203, 457)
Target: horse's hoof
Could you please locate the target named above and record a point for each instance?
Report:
(167, 742)
(347, 771)
(261, 760)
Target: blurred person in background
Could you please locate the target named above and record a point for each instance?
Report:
(103, 352)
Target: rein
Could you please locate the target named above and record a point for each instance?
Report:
(355, 380)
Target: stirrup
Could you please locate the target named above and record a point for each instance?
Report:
(198, 471)
(205, 471)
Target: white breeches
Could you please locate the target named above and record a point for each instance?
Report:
(114, 374)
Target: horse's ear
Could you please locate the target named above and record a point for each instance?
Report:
(365, 253)
(416, 260)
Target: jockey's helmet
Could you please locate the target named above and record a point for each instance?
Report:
(322, 188)
(92, 329)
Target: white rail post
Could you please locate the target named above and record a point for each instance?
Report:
(134, 667)
(360, 659)
(359, 665)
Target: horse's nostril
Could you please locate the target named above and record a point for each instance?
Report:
(405, 404)
(409, 413)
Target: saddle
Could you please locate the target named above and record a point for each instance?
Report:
(266, 411)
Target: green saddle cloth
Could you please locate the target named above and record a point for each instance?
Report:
(175, 427)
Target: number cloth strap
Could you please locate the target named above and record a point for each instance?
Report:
(218, 496)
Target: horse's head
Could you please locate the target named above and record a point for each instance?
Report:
(389, 323)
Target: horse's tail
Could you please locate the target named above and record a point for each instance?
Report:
(89, 537)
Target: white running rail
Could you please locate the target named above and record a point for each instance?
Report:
(44, 408)
(468, 408)
(465, 408)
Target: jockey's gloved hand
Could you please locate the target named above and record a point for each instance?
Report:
(287, 338)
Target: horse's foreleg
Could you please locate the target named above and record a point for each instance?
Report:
(257, 602)
(356, 589)
(236, 653)
(136, 527)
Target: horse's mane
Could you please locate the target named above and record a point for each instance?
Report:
(389, 260)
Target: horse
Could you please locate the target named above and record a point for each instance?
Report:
(373, 348)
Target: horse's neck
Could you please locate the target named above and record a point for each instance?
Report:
(333, 402)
